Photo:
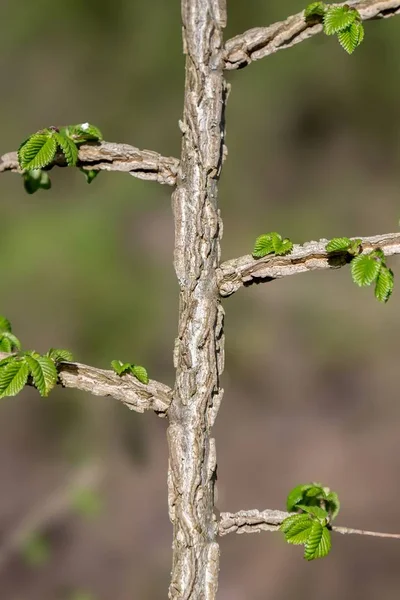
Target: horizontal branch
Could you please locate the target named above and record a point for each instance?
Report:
(135, 395)
(259, 42)
(108, 156)
(254, 521)
(311, 256)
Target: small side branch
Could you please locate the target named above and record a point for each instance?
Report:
(312, 256)
(259, 42)
(254, 521)
(99, 382)
(108, 156)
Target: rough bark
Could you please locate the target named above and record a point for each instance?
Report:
(199, 345)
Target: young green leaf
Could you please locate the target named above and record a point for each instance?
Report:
(318, 543)
(299, 532)
(13, 377)
(9, 342)
(319, 513)
(289, 521)
(43, 371)
(351, 37)
(90, 175)
(341, 244)
(5, 324)
(384, 284)
(315, 9)
(35, 180)
(296, 496)
(58, 355)
(38, 151)
(355, 247)
(332, 505)
(68, 147)
(337, 18)
(365, 269)
(119, 367)
(84, 132)
(140, 373)
(280, 246)
(263, 246)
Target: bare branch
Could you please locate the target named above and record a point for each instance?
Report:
(254, 521)
(311, 256)
(259, 42)
(137, 396)
(108, 156)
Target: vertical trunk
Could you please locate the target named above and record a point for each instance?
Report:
(199, 346)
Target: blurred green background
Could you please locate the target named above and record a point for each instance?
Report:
(311, 378)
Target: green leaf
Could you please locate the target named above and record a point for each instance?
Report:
(13, 377)
(315, 9)
(293, 519)
(315, 511)
(365, 269)
(263, 246)
(337, 18)
(332, 505)
(140, 373)
(351, 37)
(314, 491)
(38, 151)
(68, 147)
(84, 132)
(384, 284)
(299, 532)
(90, 175)
(5, 324)
(119, 367)
(296, 495)
(43, 371)
(318, 544)
(341, 244)
(355, 247)
(281, 246)
(10, 341)
(60, 355)
(35, 180)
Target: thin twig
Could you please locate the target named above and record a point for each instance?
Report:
(135, 395)
(311, 256)
(108, 156)
(259, 42)
(254, 521)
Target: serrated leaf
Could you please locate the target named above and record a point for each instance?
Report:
(296, 495)
(10, 341)
(315, 511)
(384, 284)
(84, 132)
(337, 18)
(60, 355)
(5, 324)
(340, 244)
(13, 377)
(68, 148)
(315, 490)
(119, 367)
(263, 246)
(38, 151)
(44, 373)
(89, 174)
(365, 269)
(332, 505)
(315, 9)
(281, 247)
(289, 521)
(299, 532)
(351, 37)
(318, 544)
(140, 373)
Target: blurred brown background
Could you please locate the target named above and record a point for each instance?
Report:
(311, 374)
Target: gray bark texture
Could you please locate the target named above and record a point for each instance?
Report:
(199, 345)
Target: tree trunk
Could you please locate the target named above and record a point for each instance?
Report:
(199, 346)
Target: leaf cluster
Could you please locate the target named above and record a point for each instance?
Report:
(21, 367)
(366, 268)
(343, 21)
(316, 506)
(271, 243)
(39, 150)
(137, 371)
